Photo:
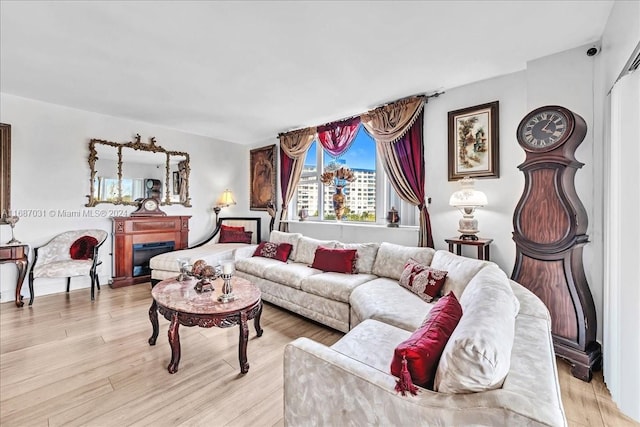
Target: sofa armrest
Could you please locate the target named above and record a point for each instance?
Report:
(325, 387)
(245, 252)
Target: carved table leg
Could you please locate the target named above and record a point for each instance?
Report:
(22, 272)
(242, 347)
(153, 317)
(256, 321)
(174, 341)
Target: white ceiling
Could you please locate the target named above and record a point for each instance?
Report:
(245, 71)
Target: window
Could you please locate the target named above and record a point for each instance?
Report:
(368, 197)
(307, 194)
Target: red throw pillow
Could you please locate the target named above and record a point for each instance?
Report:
(231, 227)
(416, 359)
(235, 236)
(422, 280)
(337, 260)
(82, 248)
(274, 250)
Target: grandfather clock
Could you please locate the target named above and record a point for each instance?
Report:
(549, 224)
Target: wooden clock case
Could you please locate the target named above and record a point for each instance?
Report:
(550, 225)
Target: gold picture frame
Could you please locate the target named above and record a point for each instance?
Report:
(474, 142)
(263, 177)
(5, 175)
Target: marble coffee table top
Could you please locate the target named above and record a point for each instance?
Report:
(181, 296)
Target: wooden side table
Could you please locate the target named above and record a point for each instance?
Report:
(19, 255)
(481, 244)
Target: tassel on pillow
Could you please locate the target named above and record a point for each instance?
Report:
(404, 384)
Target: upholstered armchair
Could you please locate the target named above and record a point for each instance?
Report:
(69, 254)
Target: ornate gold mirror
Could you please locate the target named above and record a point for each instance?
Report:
(121, 173)
(5, 173)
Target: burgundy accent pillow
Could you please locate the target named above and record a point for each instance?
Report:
(82, 248)
(235, 236)
(422, 280)
(424, 347)
(277, 251)
(337, 260)
(231, 227)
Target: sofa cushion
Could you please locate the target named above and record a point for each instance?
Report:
(383, 300)
(478, 355)
(256, 266)
(335, 286)
(282, 237)
(530, 304)
(460, 270)
(307, 249)
(391, 259)
(289, 274)
(336, 260)
(366, 255)
(277, 251)
(68, 268)
(372, 343)
(423, 348)
(422, 280)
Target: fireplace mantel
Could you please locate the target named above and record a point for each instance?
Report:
(128, 231)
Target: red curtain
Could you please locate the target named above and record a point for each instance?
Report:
(293, 149)
(409, 151)
(397, 129)
(336, 137)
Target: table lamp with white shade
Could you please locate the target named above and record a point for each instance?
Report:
(467, 200)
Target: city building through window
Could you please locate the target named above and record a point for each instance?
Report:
(367, 198)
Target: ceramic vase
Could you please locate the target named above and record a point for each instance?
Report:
(338, 203)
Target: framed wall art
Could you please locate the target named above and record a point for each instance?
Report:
(474, 142)
(262, 181)
(5, 174)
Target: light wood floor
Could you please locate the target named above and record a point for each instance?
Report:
(66, 361)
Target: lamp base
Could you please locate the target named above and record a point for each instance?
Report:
(468, 237)
(468, 227)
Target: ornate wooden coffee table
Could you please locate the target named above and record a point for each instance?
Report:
(179, 303)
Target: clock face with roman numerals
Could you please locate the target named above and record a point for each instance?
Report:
(544, 129)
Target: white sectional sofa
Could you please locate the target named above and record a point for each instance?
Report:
(504, 329)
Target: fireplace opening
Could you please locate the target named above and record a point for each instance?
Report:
(143, 252)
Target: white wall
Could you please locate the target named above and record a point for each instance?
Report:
(495, 219)
(50, 175)
(619, 161)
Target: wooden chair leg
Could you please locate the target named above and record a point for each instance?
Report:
(31, 289)
(97, 280)
(93, 285)
(68, 283)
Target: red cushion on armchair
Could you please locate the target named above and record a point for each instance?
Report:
(82, 248)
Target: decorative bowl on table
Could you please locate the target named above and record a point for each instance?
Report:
(205, 274)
